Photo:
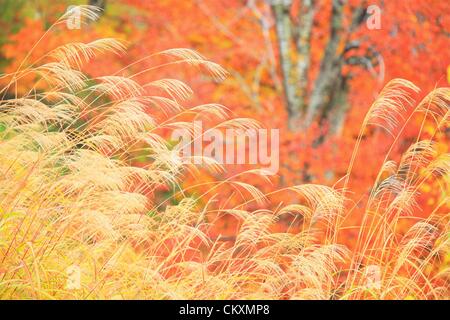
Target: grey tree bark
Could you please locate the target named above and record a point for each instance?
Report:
(281, 10)
(326, 100)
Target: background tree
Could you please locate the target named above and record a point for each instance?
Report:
(325, 99)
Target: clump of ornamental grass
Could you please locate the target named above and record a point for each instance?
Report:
(79, 220)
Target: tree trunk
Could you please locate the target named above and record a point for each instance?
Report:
(281, 10)
(330, 68)
(306, 19)
(327, 101)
